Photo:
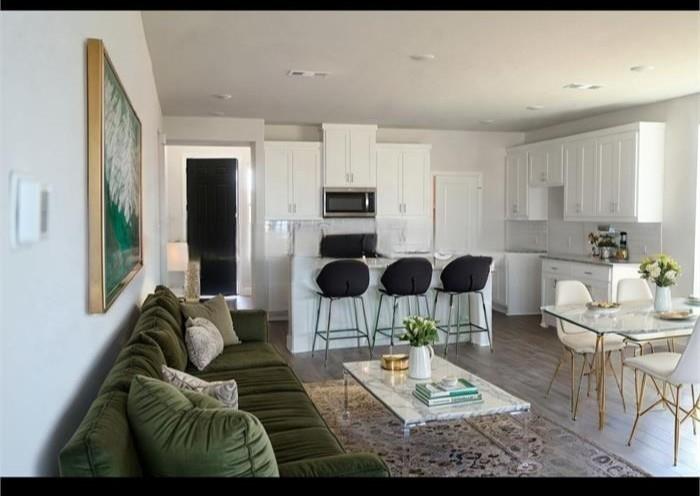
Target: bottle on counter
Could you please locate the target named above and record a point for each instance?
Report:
(622, 251)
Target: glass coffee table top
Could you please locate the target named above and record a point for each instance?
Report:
(395, 390)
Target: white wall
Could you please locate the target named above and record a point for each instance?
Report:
(228, 131)
(452, 151)
(176, 189)
(55, 355)
(682, 117)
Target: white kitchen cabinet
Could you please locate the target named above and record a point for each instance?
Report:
(579, 181)
(292, 180)
(523, 202)
(349, 155)
(546, 165)
(616, 169)
(403, 180)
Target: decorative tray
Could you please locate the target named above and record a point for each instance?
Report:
(676, 315)
(603, 306)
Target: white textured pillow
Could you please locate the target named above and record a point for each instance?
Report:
(224, 391)
(203, 340)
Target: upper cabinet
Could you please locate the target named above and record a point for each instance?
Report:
(546, 165)
(579, 186)
(349, 155)
(292, 180)
(523, 202)
(403, 180)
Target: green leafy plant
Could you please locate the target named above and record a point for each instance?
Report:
(419, 331)
(606, 240)
(661, 269)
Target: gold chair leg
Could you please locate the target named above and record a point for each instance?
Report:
(692, 396)
(573, 379)
(619, 384)
(639, 398)
(578, 390)
(622, 380)
(676, 437)
(556, 371)
(591, 371)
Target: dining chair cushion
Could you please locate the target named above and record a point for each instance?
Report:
(584, 342)
(657, 364)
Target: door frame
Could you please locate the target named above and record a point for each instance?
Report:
(480, 187)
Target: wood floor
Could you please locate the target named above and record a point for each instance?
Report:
(523, 362)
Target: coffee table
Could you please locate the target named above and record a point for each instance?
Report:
(394, 389)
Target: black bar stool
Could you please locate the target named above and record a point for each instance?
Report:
(464, 275)
(338, 280)
(404, 278)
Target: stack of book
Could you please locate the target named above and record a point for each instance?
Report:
(436, 393)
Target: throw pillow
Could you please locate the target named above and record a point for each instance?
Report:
(215, 310)
(184, 434)
(224, 391)
(204, 343)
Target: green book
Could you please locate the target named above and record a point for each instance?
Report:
(437, 390)
(473, 398)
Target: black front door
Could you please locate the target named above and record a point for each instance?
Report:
(211, 221)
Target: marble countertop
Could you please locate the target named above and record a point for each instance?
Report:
(587, 259)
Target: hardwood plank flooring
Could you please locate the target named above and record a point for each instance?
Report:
(523, 363)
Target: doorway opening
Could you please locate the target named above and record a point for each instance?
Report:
(209, 194)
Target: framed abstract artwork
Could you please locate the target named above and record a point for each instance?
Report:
(114, 182)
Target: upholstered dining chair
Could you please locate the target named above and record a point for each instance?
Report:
(637, 289)
(676, 370)
(576, 340)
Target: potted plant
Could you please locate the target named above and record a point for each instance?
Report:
(607, 246)
(420, 333)
(593, 241)
(663, 271)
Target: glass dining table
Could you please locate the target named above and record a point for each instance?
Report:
(636, 321)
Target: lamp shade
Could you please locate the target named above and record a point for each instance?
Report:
(177, 256)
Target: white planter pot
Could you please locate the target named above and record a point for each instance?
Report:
(419, 359)
(662, 299)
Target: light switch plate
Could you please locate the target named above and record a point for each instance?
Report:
(25, 210)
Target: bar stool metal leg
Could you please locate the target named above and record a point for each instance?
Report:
(427, 305)
(357, 322)
(376, 321)
(449, 325)
(318, 317)
(328, 331)
(435, 301)
(393, 319)
(364, 314)
(458, 327)
(486, 320)
(469, 315)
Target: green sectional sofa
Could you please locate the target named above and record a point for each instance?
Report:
(304, 446)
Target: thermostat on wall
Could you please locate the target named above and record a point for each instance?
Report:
(28, 210)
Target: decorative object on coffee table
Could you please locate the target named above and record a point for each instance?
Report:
(396, 361)
(115, 251)
(420, 334)
(663, 271)
(192, 282)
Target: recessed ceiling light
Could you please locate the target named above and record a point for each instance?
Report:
(642, 68)
(487, 121)
(423, 56)
(583, 86)
(219, 114)
(222, 96)
(535, 107)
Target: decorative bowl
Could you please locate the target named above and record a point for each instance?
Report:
(676, 315)
(603, 306)
(395, 362)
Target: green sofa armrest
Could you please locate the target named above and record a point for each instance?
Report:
(250, 325)
(346, 465)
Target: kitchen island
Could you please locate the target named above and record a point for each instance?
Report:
(303, 306)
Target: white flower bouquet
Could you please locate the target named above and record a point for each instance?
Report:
(661, 269)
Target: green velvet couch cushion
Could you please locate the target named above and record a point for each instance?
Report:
(250, 325)
(262, 380)
(282, 411)
(173, 349)
(300, 444)
(216, 311)
(164, 298)
(347, 465)
(183, 433)
(242, 356)
(102, 446)
(138, 358)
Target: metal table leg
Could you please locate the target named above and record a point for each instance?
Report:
(406, 465)
(600, 349)
(346, 412)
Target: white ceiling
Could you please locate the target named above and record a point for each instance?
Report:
(488, 65)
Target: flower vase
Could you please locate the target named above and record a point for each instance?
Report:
(662, 299)
(419, 360)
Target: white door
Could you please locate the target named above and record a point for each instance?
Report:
(277, 183)
(512, 186)
(389, 182)
(537, 158)
(457, 212)
(362, 154)
(336, 152)
(626, 175)
(305, 183)
(416, 181)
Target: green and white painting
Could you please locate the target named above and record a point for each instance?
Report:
(122, 186)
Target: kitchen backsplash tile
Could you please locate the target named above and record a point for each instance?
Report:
(526, 235)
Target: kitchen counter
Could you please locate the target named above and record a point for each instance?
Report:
(588, 259)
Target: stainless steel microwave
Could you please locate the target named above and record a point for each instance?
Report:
(349, 202)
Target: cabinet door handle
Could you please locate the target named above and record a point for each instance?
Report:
(294, 208)
(588, 273)
(352, 177)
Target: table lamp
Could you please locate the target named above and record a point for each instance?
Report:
(178, 258)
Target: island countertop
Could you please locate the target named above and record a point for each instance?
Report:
(588, 259)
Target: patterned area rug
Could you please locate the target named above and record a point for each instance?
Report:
(494, 445)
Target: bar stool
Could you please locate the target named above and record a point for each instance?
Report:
(404, 278)
(339, 280)
(464, 275)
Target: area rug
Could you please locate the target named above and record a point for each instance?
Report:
(494, 445)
